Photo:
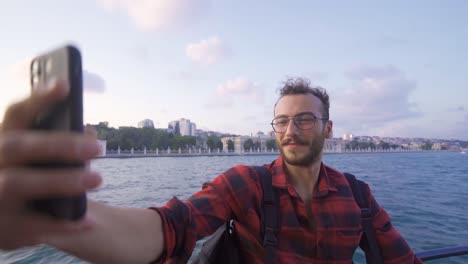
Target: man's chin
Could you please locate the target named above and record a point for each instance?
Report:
(296, 160)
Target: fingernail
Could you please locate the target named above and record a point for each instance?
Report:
(51, 83)
(90, 149)
(60, 86)
(87, 223)
(91, 180)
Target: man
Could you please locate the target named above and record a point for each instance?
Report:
(319, 223)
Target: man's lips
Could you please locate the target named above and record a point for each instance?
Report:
(291, 142)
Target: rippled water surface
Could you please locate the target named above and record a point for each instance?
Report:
(426, 194)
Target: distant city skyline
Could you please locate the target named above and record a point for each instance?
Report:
(221, 62)
(345, 136)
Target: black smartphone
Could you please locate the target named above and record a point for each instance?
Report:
(62, 64)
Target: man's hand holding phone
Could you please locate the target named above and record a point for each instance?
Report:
(20, 183)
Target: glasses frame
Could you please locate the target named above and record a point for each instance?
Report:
(293, 118)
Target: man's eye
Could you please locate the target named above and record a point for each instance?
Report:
(281, 122)
(304, 120)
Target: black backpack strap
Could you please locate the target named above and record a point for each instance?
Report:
(360, 196)
(270, 214)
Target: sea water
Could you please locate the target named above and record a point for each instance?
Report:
(425, 194)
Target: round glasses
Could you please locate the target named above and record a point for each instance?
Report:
(302, 121)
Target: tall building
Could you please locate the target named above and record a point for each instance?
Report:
(146, 123)
(183, 127)
(193, 129)
(171, 127)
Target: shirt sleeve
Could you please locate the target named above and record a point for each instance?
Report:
(393, 247)
(186, 222)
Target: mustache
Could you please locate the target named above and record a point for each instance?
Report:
(295, 140)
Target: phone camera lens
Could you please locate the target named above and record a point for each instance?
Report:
(48, 66)
(35, 80)
(35, 67)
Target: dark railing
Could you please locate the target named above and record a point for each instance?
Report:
(442, 253)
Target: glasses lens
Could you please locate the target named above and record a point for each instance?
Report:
(280, 124)
(305, 121)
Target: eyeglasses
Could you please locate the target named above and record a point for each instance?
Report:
(302, 121)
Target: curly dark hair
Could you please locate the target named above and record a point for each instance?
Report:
(301, 85)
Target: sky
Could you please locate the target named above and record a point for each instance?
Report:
(392, 69)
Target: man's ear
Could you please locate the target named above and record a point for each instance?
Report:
(329, 129)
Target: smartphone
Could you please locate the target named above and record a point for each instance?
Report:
(64, 64)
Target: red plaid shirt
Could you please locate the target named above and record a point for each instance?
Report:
(330, 234)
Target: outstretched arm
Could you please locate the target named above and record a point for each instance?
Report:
(115, 235)
(106, 234)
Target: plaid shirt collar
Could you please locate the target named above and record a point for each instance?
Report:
(280, 179)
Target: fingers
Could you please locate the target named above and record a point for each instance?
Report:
(22, 114)
(20, 184)
(26, 147)
(91, 131)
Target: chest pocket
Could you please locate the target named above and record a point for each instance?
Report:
(337, 243)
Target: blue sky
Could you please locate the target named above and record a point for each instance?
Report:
(392, 69)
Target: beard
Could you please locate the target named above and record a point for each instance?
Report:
(299, 157)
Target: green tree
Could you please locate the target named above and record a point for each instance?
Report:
(271, 144)
(353, 145)
(161, 139)
(102, 130)
(219, 145)
(256, 145)
(383, 145)
(214, 143)
(394, 146)
(248, 144)
(182, 142)
(426, 146)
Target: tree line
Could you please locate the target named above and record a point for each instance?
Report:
(355, 144)
(127, 138)
(370, 145)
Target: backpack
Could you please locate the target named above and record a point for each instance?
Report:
(223, 245)
(360, 193)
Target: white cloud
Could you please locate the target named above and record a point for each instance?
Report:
(208, 51)
(93, 82)
(159, 14)
(234, 92)
(377, 98)
(241, 87)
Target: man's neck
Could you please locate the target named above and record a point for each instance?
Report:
(304, 178)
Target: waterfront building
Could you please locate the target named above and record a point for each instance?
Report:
(238, 143)
(331, 145)
(334, 145)
(103, 145)
(146, 123)
(183, 127)
(347, 137)
(193, 129)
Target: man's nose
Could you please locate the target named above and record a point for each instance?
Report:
(291, 129)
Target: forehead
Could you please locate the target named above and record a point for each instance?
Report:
(293, 104)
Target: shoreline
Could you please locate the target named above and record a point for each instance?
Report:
(189, 155)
